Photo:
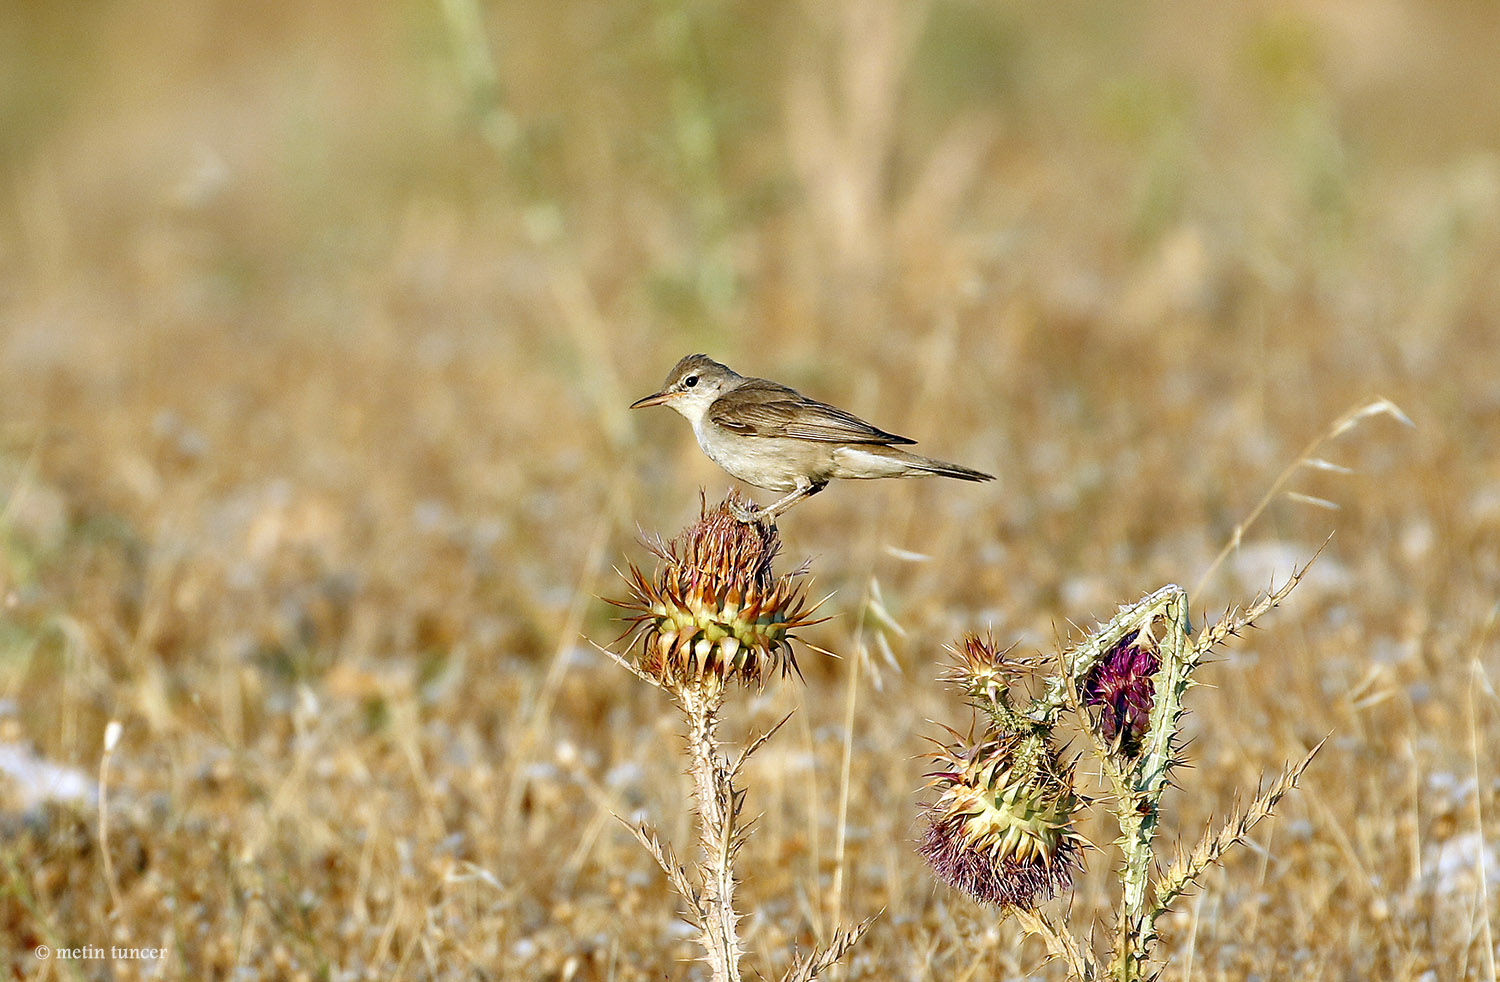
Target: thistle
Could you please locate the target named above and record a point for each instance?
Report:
(1001, 826)
(714, 612)
(983, 673)
(715, 609)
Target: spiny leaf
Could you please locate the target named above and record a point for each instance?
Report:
(815, 963)
(754, 745)
(1235, 621)
(676, 874)
(1185, 870)
(1061, 944)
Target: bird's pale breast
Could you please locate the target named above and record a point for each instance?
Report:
(773, 463)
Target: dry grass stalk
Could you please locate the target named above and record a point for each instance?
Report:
(1308, 458)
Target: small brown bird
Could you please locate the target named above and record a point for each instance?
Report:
(775, 438)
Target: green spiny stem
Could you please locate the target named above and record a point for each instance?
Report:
(997, 707)
(1140, 784)
(1138, 815)
(1139, 775)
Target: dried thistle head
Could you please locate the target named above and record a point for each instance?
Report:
(715, 609)
(1121, 685)
(1001, 828)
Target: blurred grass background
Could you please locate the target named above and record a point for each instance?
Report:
(319, 321)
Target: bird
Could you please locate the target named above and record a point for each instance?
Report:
(775, 438)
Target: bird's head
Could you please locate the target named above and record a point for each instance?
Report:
(691, 386)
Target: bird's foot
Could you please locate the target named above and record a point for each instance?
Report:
(747, 512)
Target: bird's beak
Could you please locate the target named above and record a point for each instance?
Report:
(655, 399)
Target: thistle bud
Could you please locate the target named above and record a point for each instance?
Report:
(982, 672)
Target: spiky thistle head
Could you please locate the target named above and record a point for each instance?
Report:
(983, 672)
(1001, 828)
(715, 610)
(1121, 685)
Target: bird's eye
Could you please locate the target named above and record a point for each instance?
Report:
(690, 381)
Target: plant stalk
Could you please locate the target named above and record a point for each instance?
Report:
(718, 807)
(1139, 815)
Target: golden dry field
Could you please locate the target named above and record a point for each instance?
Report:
(318, 325)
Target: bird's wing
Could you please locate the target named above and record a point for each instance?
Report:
(761, 408)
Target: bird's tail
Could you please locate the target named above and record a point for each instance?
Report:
(942, 468)
(877, 460)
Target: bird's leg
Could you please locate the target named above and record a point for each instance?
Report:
(769, 514)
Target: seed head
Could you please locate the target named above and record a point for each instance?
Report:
(715, 609)
(1001, 828)
(1121, 684)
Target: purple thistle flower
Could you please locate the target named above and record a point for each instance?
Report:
(1002, 881)
(1121, 684)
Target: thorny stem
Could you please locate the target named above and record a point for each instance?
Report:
(1139, 816)
(718, 807)
(1163, 617)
